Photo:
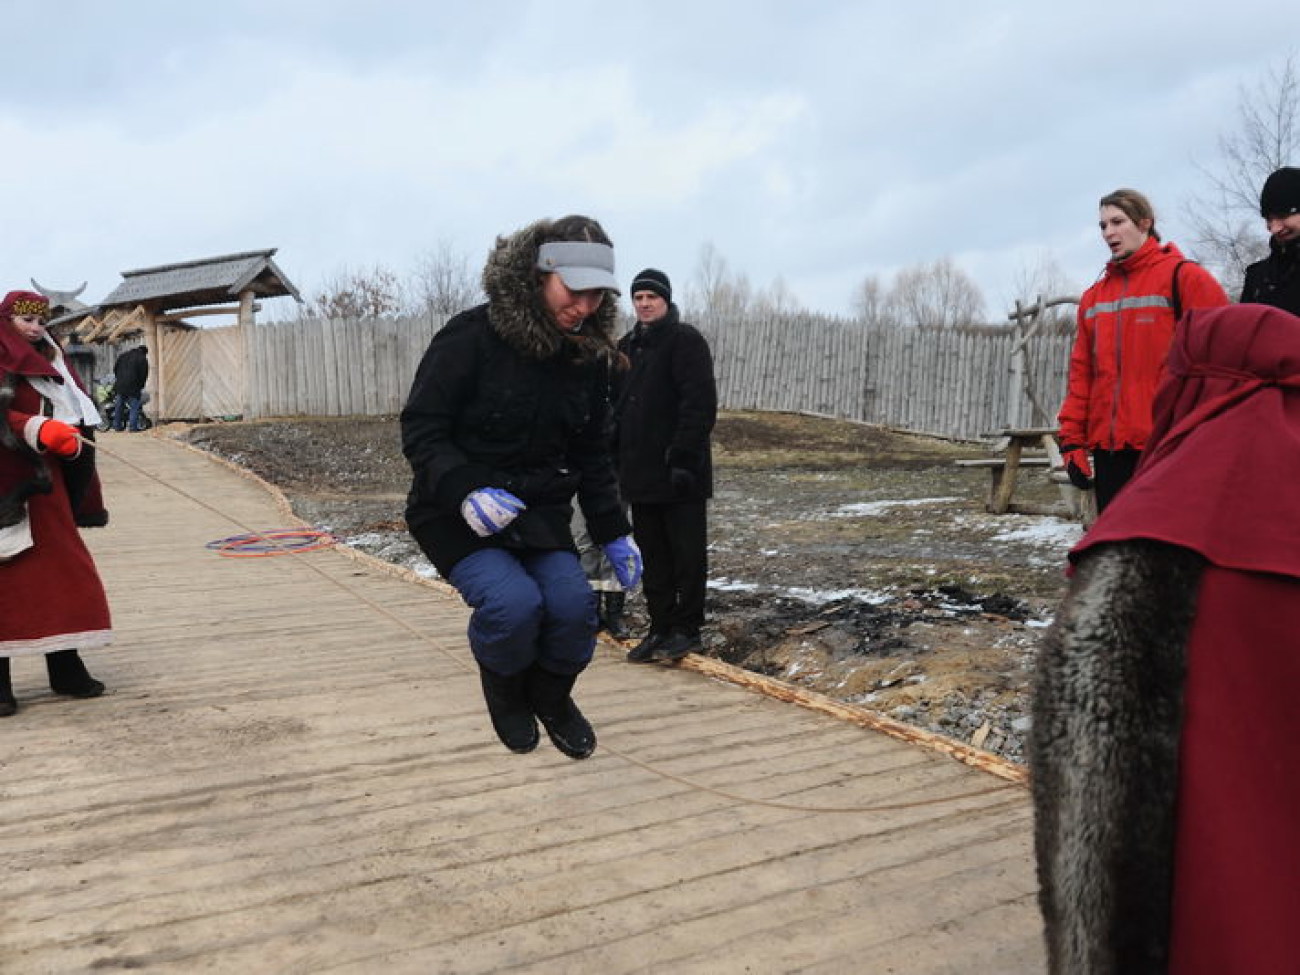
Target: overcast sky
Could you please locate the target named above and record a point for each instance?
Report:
(815, 142)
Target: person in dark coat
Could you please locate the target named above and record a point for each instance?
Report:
(1164, 727)
(1276, 279)
(130, 373)
(665, 407)
(507, 422)
(52, 602)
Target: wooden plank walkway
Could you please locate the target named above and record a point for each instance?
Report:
(293, 772)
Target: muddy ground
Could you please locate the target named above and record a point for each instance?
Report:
(844, 558)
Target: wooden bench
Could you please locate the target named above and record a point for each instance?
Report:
(1001, 488)
(1036, 448)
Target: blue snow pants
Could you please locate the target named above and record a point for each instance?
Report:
(530, 607)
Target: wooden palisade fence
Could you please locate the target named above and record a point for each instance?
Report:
(952, 383)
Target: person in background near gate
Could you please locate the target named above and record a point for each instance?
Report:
(665, 407)
(1163, 742)
(1126, 322)
(507, 421)
(130, 373)
(52, 601)
(1276, 279)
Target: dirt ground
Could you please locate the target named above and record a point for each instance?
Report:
(845, 558)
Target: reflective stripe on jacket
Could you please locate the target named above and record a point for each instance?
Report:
(1126, 322)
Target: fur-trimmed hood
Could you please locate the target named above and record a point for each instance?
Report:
(513, 287)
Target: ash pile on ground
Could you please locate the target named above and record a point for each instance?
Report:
(844, 558)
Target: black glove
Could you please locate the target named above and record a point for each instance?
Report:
(1077, 467)
(683, 481)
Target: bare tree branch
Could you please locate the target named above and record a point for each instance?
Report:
(1226, 230)
(368, 293)
(443, 283)
(937, 295)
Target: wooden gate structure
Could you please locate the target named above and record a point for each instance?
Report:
(195, 373)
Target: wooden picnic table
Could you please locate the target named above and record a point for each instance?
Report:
(1011, 444)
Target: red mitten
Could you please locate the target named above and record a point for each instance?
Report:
(59, 438)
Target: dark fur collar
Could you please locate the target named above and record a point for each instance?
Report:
(513, 287)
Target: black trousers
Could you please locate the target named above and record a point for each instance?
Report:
(1112, 469)
(673, 539)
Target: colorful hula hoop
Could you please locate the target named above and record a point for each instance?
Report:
(274, 541)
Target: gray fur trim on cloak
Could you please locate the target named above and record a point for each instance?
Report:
(1107, 718)
(513, 286)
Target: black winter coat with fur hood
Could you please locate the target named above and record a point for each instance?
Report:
(503, 398)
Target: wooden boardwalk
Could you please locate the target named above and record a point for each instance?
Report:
(292, 771)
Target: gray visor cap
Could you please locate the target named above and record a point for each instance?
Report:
(581, 265)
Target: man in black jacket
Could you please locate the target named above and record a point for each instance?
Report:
(1276, 279)
(665, 406)
(130, 373)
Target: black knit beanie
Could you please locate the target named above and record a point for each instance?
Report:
(1280, 196)
(652, 280)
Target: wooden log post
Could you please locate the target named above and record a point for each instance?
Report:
(156, 384)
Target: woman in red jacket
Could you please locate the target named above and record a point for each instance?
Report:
(1126, 324)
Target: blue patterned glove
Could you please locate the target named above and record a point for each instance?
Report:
(488, 510)
(625, 557)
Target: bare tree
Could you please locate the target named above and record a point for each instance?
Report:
(357, 294)
(1042, 282)
(716, 291)
(1227, 232)
(443, 283)
(777, 299)
(871, 302)
(937, 295)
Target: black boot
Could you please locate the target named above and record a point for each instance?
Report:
(569, 731)
(611, 614)
(644, 652)
(512, 715)
(8, 705)
(68, 675)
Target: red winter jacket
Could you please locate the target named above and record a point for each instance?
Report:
(1126, 324)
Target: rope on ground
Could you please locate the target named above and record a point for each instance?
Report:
(273, 541)
(424, 638)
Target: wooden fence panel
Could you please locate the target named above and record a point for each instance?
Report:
(181, 355)
(224, 373)
(946, 382)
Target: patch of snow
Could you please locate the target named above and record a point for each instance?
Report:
(815, 597)
(870, 508)
(732, 585)
(1044, 532)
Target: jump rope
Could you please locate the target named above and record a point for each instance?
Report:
(251, 543)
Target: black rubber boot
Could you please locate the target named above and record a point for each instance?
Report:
(507, 704)
(678, 644)
(644, 652)
(8, 705)
(568, 730)
(68, 675)
(611, 614)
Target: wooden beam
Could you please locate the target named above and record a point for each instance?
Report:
(175, 316)
(246, 308)
(132, 321)
(968, 755)
(88, 328)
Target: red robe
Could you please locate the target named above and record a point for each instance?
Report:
(1221, 478)
(51, 596)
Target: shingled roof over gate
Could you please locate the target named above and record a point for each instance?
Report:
(203, 282)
